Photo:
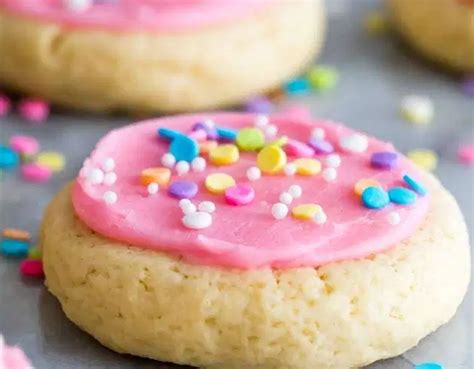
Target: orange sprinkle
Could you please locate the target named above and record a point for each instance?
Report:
(158, 175)
(16, 234)
(362, 184)
(206, 146)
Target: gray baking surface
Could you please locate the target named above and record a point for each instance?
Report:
(375, 73)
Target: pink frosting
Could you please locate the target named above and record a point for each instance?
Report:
(131, 15)
(246, 236)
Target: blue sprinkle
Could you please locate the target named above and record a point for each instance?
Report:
(227, 134)
(168, 134)
(14, 248)
(429, 366)
(297, 86)
(375, 198)
(402, 196)
(8, 158)
(184, 148)
(414, 185)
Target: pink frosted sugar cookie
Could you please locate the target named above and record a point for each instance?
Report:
(13, 357)
(156, 55)
(241, 254)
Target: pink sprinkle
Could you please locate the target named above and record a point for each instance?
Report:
(241, 194)
(34, 110)
(198, 135)
(32, 268)
(466, 154)
(26, 145)
(34, 172)
(5, 105)
(298, 149)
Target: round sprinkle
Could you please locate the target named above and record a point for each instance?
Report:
(417, 109)
(271, 159)
(184, 202)
(153, 188)
(208, 127)
(224, 155)
(189, 208)
(207, 207)
(279, 211)
(159, 175)
(305, 211)
(182, 167)
(424, 158)
(198, 135)
(363, 183)
(320, 217)
(307, 166)
(271, 131)
(217, 183)
(261, 121)
(34, 253)
(298, 149)
(34, 110)
(168, 134)
(286, 198)
(329, 174)
(184, 148)
(295, 191)
(206, 146)
(197, 220)
(375, 198)
(26, 145)
(402, 196)
(51, 159)
(254, 174)
(168, 160)
(110, 197)
(318, 133)
(110, 178)
(384, 160)
(198, 164)
(250, 139)
(241, 194)
(183, 189)
(415, 185)
(333, 161)
(32, 268)
(321, 146)
(393, 218)
(258, 104)
(355, 142)
(290, 169)
(108, 164)
(323, 77)
(38, 173)
(8, 158)
(466, 153)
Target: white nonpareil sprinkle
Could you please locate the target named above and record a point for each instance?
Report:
(290, 169)
(254, 174)
(110, 178)
(279, 210)
(168, 160)
(95, 176)
(207, 207)
(295, 191)
(333, 161)
(329, 174)
(394, 218)
(110, 197)
(261, 121)
(354, 143)
(271, 131)
(197, 220)
(320, 217)
(417, 109)
(182, 168)
(153, 188)
(189, 208)
(318, 133)
(198, 164)
(286, 198)
(184, 202)
(209, 123)
(77, 5)
(108, 165)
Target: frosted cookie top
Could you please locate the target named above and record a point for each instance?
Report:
(247, 191)
(132, 15)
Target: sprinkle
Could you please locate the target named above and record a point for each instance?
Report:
(297, 86)
(5, 105)
(37, 173)
(320, 217)
(110, 178)
(424, 158)
(108, 164)
(8, 158)
(384, 160)
(375, 22)
(271, 131)
(51, 159)
(467, 87)
(110, 197)
(241, 194)
(206, 146)
(182, 167)
(250, 139)
(208, 126)
(271, 159)
(168, 160)
(153, 188)
(184, 202)
(323, 78)
(354, 143)
(227, 134)
(333, 161)
(184, 148)
(197, 220)
(321, 146)
(298, 149)
(189, 208)
(261, 121)
(25, 145)
(305, 211)
(198, 135)
(16, 234)
(295, 191)
(290, 169)
(77, 5)
(414, 185)
(95, 176)
(402, 196)
(224, 154)
(429, 366)
(168, 134)
(183, 189)
(318, 133)
(198, 164)
(417, 109)
(466, 154)
(279, 211)
(217, 183)
(254, 174)
(32, 268)
(375, 198)
(329, 174)
(34, 110)
(34, 253)
(280, 141)
(207, 207)
(286, 198)
(14, 248)
(363, 183)
(393, 218)
(307, 167)
(258, 104)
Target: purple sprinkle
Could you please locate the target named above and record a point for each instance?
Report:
(210, 130)
(321, 146)
(384, 160)
(468, 86)
(183, 189)
(258, 104)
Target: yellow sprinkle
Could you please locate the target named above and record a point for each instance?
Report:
(307, 167)
(376, 22)
(305, 211)
(280, 141)
(51, 159)
(217, 183)
(155, 175)
(224, 154)
(271, 159)
(363, 183)
(206, 146)
(424, 158)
